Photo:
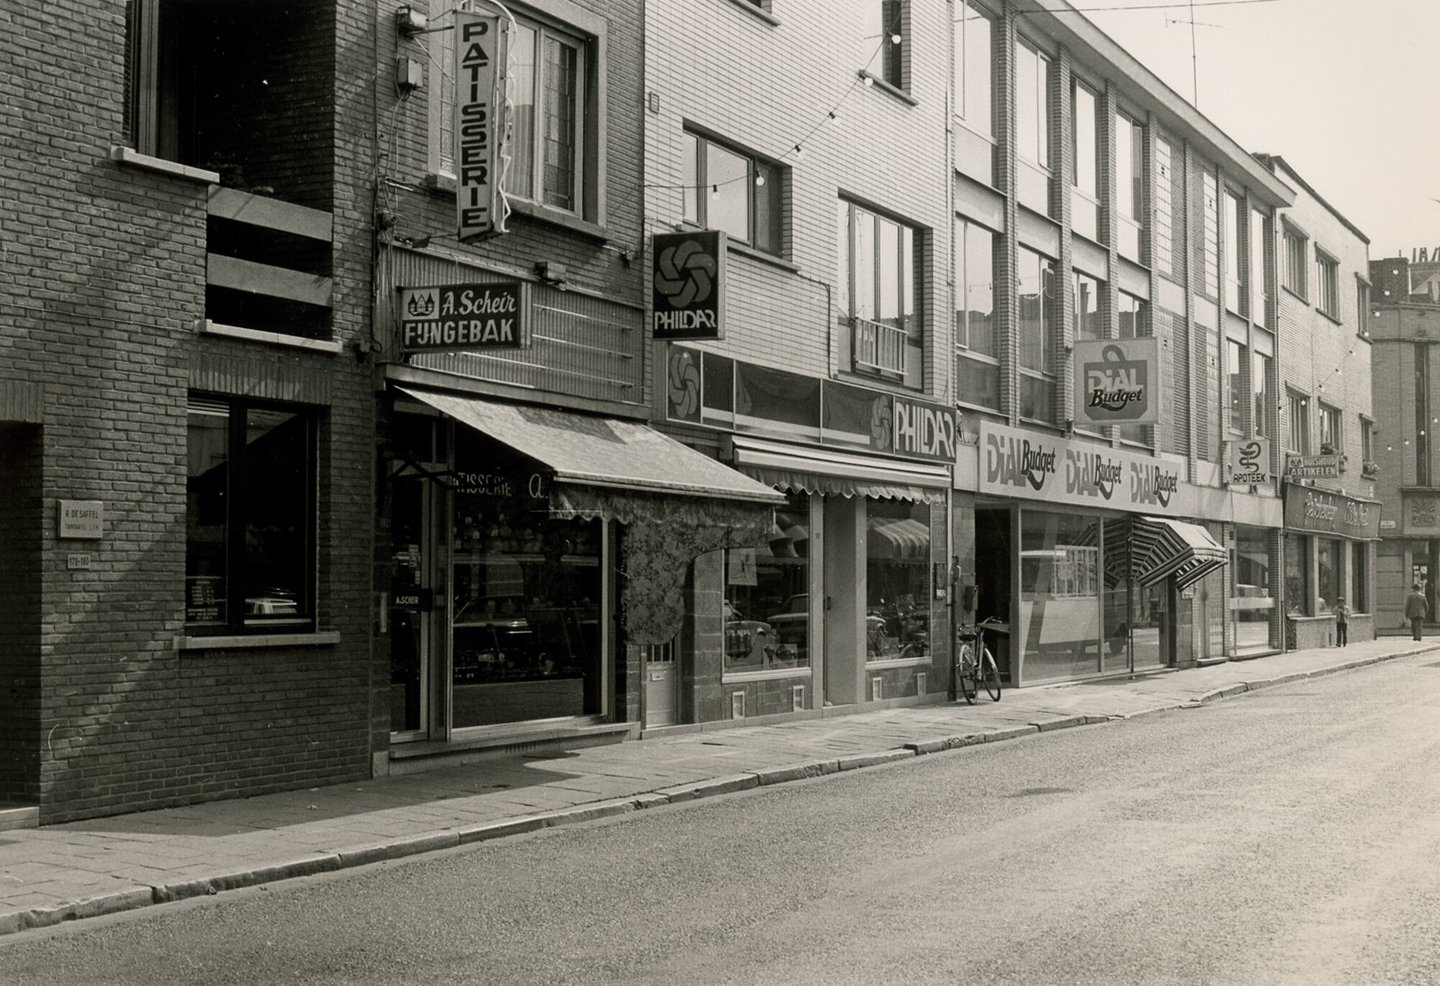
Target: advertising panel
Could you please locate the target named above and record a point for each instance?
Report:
(1318, 512)
(460, 317)
(1117, 381)
(1036, 466)
(1312, 467)
(1248, 462)
(480, 54)
(688, 285)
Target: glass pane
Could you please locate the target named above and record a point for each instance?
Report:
(1235, 365)
(1084, 148)
(1034, 283)
(1059, 595)
(1235, 291)
(1260, 382)
(1327, 563)
(692, 177)
(977, 382)
(1257, 267)
(207, 491)
(1120, 630)
(907, 275)
(1088, 323)
(1084, 215)
(978, 283)
(1132, 326)
(1253, 598)
(407, 654)
(277, 502)
(728, 176)
(897, 580)
(1126, 194)
(520, 178)
(972, 82)
(889, 273)
(562, 117)
(1037, 398)
(844, 265)
(767, 601)
(1297, 574)
(864, 265)
(766, 214)
(526, 627)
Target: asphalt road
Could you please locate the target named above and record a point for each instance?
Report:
(1286, 836)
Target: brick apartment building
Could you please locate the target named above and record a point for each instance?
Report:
(342, 440)
(1325, 421)
(1405, 330)
(186, 420)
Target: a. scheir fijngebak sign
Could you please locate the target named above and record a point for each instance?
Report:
(1035, 466)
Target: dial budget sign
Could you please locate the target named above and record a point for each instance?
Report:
(1117, 381)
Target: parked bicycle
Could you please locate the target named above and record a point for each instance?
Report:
(974, 664)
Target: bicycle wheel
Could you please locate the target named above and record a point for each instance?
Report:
(967, 681)
(990, 671)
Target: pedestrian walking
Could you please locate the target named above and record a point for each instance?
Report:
(1416, 609)
(1342, 620)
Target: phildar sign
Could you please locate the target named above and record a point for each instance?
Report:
(1117, 381)
(688, 285)
(480, 53)
(923, 430)
(458, 317)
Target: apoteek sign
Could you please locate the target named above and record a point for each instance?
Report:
(1036, 466)
(1117, 381)
(688, 285)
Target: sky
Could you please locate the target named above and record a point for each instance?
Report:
(1344, 90)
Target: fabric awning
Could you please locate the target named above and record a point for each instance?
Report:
(807, 469)
(1161, 547)
(904, 539)
(593, 451)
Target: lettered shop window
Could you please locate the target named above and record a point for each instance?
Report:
(250, 507)
(553, 82)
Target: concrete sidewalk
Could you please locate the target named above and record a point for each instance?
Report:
(83, 869)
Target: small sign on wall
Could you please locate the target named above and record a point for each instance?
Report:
(81, 519)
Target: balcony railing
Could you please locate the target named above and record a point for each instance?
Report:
(879, 347)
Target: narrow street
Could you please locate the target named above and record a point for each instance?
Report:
(1287, 836)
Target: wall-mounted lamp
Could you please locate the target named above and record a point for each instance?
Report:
(410, 22)
(551, 273)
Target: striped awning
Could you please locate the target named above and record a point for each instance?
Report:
(1161, 547)
(904, 539)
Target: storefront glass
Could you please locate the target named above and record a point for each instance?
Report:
(526, 593)
(897, 570)
(1297, 575)
(1360, 582)
(1118, 624)
(767, 601)
(1059, 595)
(1327, 564)
(1252, 601)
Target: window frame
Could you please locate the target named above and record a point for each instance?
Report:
(1259, 288)
(1236, 237)
(775, 180)
(1047, 373)
(1260, 364)
(963, 349)
(913, 323)
(1237, 366)
(237, 503)
(588, 33)
(1327, 284)
(1331, 422)
(894, 68)
(1297, 431)
(962, 105)
(1295, 261)
(1362, 307)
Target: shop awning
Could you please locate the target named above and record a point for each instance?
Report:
(592, 451)
(807, 469)
(1161, 547)
(904, 539)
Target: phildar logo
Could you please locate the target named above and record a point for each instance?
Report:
(684, 386)
(688, 285)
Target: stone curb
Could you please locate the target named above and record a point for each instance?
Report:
(142, 896)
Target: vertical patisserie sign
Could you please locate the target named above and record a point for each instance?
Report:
(479, 87)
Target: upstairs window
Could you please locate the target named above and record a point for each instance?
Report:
(977, 364)
(1038, 309)
(1032, 126)
(1236, 291)
(1129, 173)
(1293, 262)
(973, 91)
(1327, 284)
(1297, 407)
(1134, 323)
(1210, 235)
(1260, 385)
(1085, 160)
(1259, 293)
(734, 191)
(879, 270)
(1362, 306)
(1330, 436)
(553, 87)
(250, 509)
(1235, 365)
(884, 45)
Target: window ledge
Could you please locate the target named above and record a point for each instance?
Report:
(132, 158)
(756, 12)
(445, 184)
(760, 255)
(322, 638)
(1332, 318)
(1294, 294)
(883, 86)
(210, 328)
(735, 677)
(896, 662)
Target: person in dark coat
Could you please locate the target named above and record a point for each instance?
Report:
(1342, 620)
(1416, 609)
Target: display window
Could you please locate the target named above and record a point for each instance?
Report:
(897, 570)
(767, 600)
